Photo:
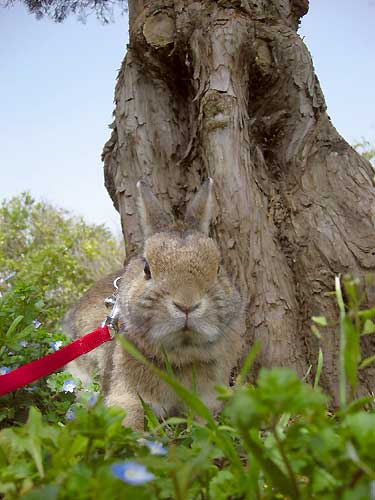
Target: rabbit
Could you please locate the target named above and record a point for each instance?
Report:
(175, 296)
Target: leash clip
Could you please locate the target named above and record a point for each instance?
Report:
(112, 318)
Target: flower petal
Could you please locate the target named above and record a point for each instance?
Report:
(69, 386)
(132, 473)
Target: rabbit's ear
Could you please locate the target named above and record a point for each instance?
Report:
(199, 211)
(154, 219)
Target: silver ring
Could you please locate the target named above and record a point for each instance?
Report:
(115, 283)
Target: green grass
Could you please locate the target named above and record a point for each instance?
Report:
(274, 439)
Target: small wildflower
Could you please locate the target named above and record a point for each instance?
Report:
(23, 343)
(93, 399)
(132, 473)
(69, 386)
(4, 370)
(9, 276)
(56, 345)
(36, 323)
(155, 447)
(31, 389)
(70, 414)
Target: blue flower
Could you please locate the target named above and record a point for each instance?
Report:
(155, 447)
(69, 386)
(36, 323)
(56, 345)
(31, 389)
(132, 473)
(9, 276)
(70, 414)
(23, 343)
(4, 370)
(93, 399)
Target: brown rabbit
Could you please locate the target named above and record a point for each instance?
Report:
(177, 296)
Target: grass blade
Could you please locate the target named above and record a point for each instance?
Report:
(342, 374)
(168, 367)
(358, 404)
(248, 363)
(351, 351)
(151, 418)
(318, 368)
(366, 362)
(13, 326)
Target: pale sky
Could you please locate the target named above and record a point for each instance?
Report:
(56, 96)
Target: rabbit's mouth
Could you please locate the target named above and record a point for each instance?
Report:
(185, 339)
(185, 336)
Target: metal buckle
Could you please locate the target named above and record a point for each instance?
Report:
(111, 302)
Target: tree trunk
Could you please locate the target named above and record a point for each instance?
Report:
(227, 89)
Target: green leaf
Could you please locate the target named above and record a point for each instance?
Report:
(281, 391)
(192, 468)
(368, 327)
(322, 480)
(23, 333)
(366, 362)
(152, 421)
(351, 351)
(174, 421)
(360, 429)
(39, 305)
(273, 472)
(13, 326)
(224, 485)
(78, 446)
(358, 404)
(318, 369)
(34, 426)
(316, 332)
(367, 314)
(252, 479)
(320, 320)
(48, 492)
(304, 378)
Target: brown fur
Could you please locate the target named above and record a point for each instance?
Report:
(188, 306)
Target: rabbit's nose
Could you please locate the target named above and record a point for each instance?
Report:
(184, 308)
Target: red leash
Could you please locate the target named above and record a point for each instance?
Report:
(48, 364)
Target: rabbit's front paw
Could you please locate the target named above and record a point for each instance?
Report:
(134, 417)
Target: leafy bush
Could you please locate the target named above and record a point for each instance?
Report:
(366, 149)
(23, 337)
(47, 260)
(58, 255)
(276, 439)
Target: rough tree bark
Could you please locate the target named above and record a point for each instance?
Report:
(227, 89)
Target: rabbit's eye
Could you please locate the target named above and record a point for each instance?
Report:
(146, 270)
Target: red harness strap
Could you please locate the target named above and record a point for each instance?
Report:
(48, 364)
